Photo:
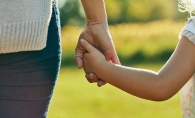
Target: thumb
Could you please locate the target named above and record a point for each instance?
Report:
(113, 58)
(87, 46)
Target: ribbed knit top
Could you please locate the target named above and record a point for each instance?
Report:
(24, 24)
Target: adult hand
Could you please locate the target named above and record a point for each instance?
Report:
(97, 34)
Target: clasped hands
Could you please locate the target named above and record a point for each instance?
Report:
(99, 37)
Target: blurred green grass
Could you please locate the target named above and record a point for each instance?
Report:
(74, 97)
(140, 45)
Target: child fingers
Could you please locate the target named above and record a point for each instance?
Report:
(86, 45)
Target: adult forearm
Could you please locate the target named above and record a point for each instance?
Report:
(94, 10)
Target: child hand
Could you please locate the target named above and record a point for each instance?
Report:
(93, 58)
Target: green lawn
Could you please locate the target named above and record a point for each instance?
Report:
(74, 97)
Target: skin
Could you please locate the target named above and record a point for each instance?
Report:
(96, 32)
(147, 84)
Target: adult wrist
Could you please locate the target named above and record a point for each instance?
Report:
(97, 27)
(94, 21)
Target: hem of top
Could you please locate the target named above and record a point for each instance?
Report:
(24, 36)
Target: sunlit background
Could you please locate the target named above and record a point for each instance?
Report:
(145, 33)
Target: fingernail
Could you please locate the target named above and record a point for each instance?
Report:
(82, 40)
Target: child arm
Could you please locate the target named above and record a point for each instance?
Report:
(157, 86)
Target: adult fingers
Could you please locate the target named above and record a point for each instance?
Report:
(91, 77)
(79, 57)
(101, 83)
(79, 61)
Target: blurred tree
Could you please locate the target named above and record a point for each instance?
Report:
(71, 12)
(120, 11)
(114, 10)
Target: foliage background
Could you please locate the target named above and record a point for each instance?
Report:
(145, 34)
(123, 11)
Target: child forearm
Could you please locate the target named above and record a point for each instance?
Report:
(139, 82)
(94, 10)
(145, 84)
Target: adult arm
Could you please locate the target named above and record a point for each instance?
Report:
(96, 32)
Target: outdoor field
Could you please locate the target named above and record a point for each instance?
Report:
(146, 45)
(74, 97)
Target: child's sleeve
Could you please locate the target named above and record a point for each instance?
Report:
(189, 30)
